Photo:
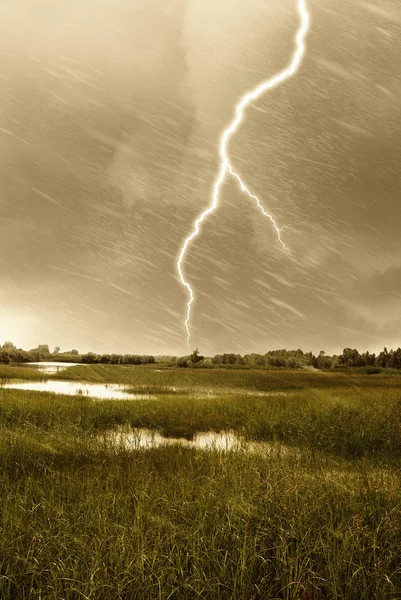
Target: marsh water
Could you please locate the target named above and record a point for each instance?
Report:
(221, 441)
(138, 438)
(147, 438)
(99, 391)
(52, 367)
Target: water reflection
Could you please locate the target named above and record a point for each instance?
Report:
(100, 391)
(51, 367)
(222, 441)
(147, 438)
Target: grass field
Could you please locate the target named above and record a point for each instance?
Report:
(315, 516)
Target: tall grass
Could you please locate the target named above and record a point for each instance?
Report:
(345, 422)
(210, 379)
(83, 518)
(15, 372)
(217, 379)
(86, 520)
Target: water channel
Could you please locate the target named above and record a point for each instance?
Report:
(222, 441)
(98, 391)
(51, 367)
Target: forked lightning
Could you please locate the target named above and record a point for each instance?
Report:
(225, 166)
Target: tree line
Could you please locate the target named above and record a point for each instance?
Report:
(9, 353)
(295, 359)
(290, 359)
(117, 359)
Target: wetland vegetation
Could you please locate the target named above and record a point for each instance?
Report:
(313, 513)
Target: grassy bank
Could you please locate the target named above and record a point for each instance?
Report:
(17, 372)
(318, 516)
(79, 520)
(217, 379)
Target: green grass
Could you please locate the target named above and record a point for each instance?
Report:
(14, 372)
(81, 518)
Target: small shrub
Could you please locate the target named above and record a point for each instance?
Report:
(373, 370)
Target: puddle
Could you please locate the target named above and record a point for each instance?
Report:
(146, 438)
(223, 441)
(100, 391)
(51, 367)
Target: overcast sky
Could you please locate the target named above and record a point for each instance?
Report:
(110, 117)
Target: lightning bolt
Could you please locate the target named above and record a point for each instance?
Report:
(225, 166)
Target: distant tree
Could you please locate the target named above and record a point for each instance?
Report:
(56, 350)
(14, 356)
(8, 346)
(254, 359)
(277, 361)
(74, 351)
(131, 359)
(34, 355)
(368, 359)
(196, 357)
(383, 360)
(351, 358)
(396, 359)
(323, 361)
(4, 357)
(182, 362)
(228, 358)
(44, 348)
(259, 360)
(21, 356)
(148, 360)
(91, 358)
(310, 359)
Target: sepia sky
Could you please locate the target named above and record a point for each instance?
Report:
(110, 117)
